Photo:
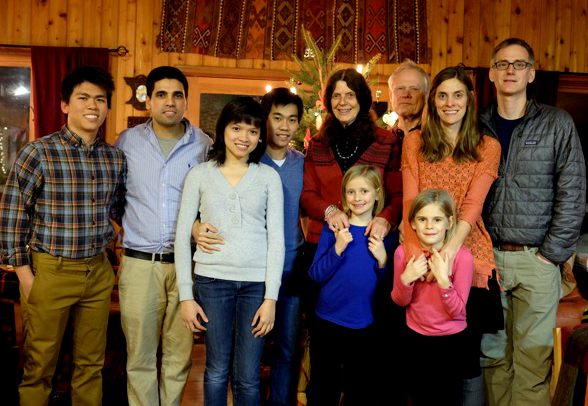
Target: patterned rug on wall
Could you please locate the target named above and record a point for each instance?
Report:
(271, 29)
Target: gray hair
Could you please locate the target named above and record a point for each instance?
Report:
(409, 64)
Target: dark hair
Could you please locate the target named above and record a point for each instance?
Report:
(435, 146)
(281, 96)
(514, 41)
(441, 198)
(239, 110)
(365, 118)
(165, 72)
(92, 74)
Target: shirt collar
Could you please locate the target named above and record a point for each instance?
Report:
(75, 140)
(401, 134)
(186, 138)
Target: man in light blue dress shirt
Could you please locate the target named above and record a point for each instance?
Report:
(159, 153)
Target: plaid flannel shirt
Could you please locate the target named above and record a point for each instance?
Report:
(59, 197)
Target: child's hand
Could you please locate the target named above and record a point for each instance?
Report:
(376, 247)
(415, 269)
(342, 239)
(440, 268)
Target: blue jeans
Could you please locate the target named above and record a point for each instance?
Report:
(285, 363)
(230, 307)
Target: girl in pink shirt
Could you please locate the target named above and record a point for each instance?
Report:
(436, 310)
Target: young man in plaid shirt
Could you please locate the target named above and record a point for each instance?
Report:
(58, 200)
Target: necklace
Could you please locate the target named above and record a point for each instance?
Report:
(346, 157)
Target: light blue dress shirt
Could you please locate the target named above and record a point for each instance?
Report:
(155, 183)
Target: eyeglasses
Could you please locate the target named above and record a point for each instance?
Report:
(518, 65)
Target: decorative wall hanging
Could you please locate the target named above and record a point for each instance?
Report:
(272, 29)
(138, 85)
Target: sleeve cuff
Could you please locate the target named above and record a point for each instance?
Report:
(186, 292)
(272, 290)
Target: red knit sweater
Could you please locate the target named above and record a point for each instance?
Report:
(323, 177)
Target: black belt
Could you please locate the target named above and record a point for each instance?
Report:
(166, 257)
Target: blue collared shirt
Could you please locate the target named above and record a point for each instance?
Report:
(155, 183)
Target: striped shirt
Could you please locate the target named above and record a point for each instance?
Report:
(59, 197)
(155, 183)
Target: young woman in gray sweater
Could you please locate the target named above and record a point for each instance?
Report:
(236, 288)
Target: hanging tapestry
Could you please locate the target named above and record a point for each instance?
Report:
(271, 29)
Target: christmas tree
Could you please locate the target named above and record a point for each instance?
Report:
(310, 80)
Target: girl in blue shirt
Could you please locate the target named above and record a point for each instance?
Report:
(348, 266)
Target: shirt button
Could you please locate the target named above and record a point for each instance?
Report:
(232, 209)
(235, 220)
(445, 295)
(232, 195)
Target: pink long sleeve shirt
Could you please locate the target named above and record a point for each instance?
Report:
(431, 310)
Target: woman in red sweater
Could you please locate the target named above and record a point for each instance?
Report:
(347, 137)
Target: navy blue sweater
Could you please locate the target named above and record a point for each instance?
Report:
(291, 174)
(347, 282)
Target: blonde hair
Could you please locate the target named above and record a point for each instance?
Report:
(373, 176)
(442, 199)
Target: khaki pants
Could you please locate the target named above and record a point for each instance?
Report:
(150, 314)
(66, 288)
(516, 361)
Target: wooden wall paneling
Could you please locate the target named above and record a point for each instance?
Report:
(109, 39)
(487, 36)
(39, 22)
(7, 17)
(176, 59)
(578, 51)
(563, 28)
(471, 27)
(22, 22)
(160, 58)
(109, 24)
(91, 30)
(455, 33)
(241, 63)
(502, 10)
(144, 37)
(518, 13)
(75, 23)
(439, 40)
(546, 52)
(124, 66)
(532, 33)
(57, 31)
(585, 34)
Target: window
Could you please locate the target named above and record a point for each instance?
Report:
(15, 90)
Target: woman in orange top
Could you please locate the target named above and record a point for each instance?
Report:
(452, 154)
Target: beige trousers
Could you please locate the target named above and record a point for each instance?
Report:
(516, 361)
(66, 288)
(150, 316)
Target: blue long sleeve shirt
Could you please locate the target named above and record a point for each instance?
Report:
(291, 174)
(347, 282)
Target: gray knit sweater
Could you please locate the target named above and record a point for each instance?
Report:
(250, 218)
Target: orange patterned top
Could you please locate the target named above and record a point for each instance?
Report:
(467, 183)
